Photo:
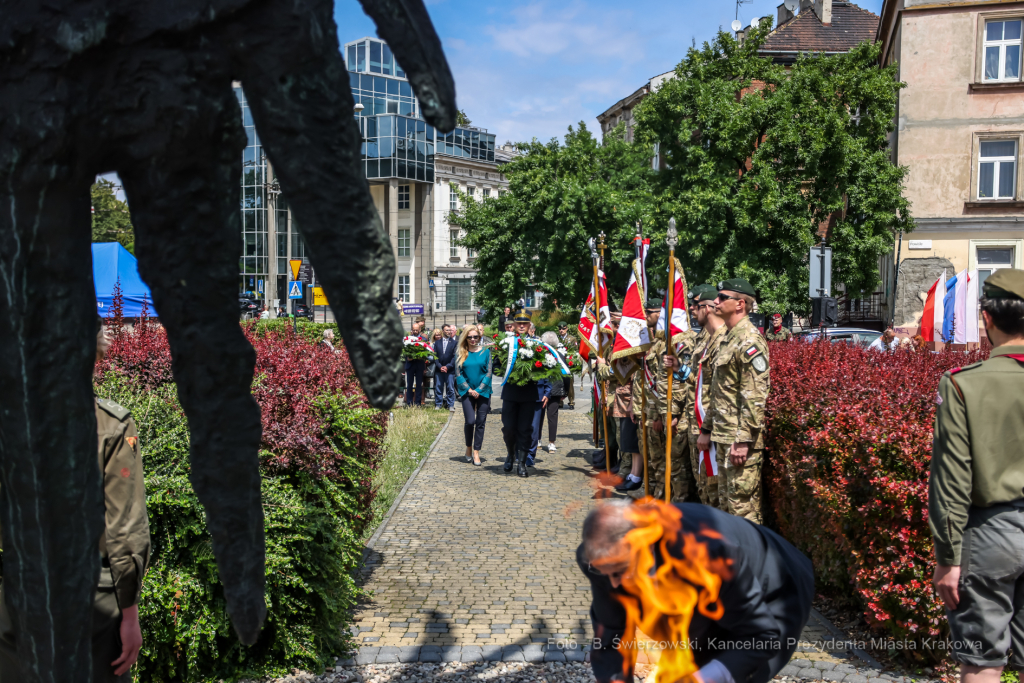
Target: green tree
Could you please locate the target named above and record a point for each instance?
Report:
(559, 195)
(461, 119)
(111, 220)
(759, 158)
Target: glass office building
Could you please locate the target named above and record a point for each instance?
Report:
(253, 263)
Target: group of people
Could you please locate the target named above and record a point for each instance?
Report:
(714, 426)
(438, 368)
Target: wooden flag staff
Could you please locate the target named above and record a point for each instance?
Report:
(671, 241)
(600, 396)
(643, 364)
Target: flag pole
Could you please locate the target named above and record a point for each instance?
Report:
(600, 345)
(671, 242)
(643, 362)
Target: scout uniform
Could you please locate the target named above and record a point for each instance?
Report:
(739, 391)
(616, 402)
(124, 548)
(976, 495)
(777, 334)
(684, 486)
(702, 367)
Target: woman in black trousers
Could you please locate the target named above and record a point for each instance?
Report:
(473, 371)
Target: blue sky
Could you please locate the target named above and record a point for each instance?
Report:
(530, 69)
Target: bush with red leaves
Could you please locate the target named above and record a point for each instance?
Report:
(849, 442)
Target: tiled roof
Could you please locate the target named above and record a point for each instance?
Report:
(851, 26)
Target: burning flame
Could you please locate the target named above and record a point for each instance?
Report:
(662, 599)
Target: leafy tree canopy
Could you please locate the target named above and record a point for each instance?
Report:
(111, 220)
(461, 119)
(559, 195)
(760, 158)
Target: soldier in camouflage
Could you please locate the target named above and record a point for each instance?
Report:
(739, 391)
(705, 353)
(642, 395)
(660, 362)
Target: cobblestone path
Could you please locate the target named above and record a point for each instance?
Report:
(476, 560)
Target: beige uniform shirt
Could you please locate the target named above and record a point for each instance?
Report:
(125, 545)
(705, 355)
(740, 387)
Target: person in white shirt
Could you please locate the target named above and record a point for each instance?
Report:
(887, 342)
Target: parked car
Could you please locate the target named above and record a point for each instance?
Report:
(850, 335)
(303, 311)
(248, 308)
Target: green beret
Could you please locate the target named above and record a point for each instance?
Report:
(655, 304)
(703, 293)
(738, 285)
(1005, 283)
(523, 316)
(563, 325)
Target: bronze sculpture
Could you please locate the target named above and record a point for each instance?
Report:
(145, 89)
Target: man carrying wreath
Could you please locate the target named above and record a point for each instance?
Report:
(522, 400)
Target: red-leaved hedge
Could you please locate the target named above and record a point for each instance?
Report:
(849, 441)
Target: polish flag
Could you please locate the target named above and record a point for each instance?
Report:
(707, 458)
(680, 318)
(960, 308)
(971, 309)
(933, 310)
(632, 337)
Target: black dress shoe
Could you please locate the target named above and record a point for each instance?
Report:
(509, 461)
(626, 486)
(521, 468)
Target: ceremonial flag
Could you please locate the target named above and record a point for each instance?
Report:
(645, 246)
(960, 308)
(632, 337)
(680, 319)
(933, 310)
(949, 310)
(971, 309)
(707, 458)
(588, 320)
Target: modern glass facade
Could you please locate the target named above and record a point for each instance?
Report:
(397, 142)
(253, 263)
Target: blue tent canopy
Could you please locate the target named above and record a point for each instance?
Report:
(112, 263)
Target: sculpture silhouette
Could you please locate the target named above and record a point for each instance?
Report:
(145, 89)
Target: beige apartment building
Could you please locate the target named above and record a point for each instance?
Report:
(960, 131)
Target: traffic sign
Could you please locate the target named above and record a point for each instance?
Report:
(820, 285)
(294, 265)
(295, 290)
(305, 273)
(319, 298)
(412, 309)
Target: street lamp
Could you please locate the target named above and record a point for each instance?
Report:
(358, 108)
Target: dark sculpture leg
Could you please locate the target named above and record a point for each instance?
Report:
(51, 502)
(186, 215)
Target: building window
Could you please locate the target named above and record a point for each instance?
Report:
(453, 249)
(458, 295)
(403, 288)
(403, 196)
(470, 190)
(487, 193)
(997, 169)
(453, 198)
(403, 241)
(991, 259)
(1002, 50)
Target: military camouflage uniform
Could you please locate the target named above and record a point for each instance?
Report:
(124, 547)
(707, 347)
(684, 485)
(738, 394)
(782, 335)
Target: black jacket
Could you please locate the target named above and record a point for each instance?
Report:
(766, 602)
(447, 358)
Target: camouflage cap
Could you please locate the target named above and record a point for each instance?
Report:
(1005, 283)
(738, 285)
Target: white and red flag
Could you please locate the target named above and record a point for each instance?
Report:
(680, 318)
(632, 337)
(706, 458)
(588, 324)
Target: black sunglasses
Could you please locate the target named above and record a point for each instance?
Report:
(472, 336)
(725, 297)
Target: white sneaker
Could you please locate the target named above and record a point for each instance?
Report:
(551, 448)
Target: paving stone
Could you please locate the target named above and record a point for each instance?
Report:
(387, 659)
(789, 670)
(430, 656)
(827, 675)
(824, 666)
(365, 659)
(810, 673)
(516, 656)
(574, 655)
(491, 653)
(554, 656)
(856, 678)
(472, 656)
(454, 655)
(389, 650)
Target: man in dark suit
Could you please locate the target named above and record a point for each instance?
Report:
(444, 370)
(520, 405)
(414, 369)
(504, 317)
(765, 602)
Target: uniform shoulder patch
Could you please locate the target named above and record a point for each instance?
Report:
(966, 367)
(759, 363)
(113, 409)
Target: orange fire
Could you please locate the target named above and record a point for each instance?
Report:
(662, 600)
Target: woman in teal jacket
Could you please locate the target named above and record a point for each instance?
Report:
(473, 385)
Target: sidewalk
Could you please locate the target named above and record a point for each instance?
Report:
(478, 564)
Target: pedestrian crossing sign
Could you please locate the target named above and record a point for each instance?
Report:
(295, 290)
